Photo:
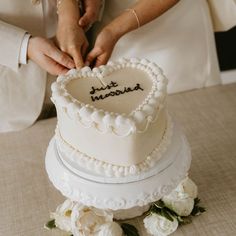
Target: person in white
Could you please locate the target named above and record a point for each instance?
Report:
(26, 27)
(180, 41)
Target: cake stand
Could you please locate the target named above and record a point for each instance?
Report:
(128, 197)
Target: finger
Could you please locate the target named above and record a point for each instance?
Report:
(60, 57)
(52, 66)
(89, 17)
(92, 56)
(84, 49)
(77, 57)
(84, 21)
(102, 60)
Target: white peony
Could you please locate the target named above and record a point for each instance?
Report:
(186, 189)
(160, 226)
(181, 207)
(62, 215)
(110, 229)
(181, 199)
(87, 221)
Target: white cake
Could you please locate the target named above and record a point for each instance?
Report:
(112, 120)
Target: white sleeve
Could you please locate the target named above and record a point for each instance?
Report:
(23, 49)
(10, 43)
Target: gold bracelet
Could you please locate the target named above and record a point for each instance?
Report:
(135, 14)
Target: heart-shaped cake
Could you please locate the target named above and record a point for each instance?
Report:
(112, 116)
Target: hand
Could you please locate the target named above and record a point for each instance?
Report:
(44, 52)
(103, 48)
(92, 9)
(71, 39)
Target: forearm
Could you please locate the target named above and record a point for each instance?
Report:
(146, 11)
(68, 11)
(70, 36)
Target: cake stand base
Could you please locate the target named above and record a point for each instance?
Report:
(132, 197)
(125, 214)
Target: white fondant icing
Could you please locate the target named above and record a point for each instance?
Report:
(107, 169)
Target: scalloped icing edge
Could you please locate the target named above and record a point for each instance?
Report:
(110, 170)
(136, 121)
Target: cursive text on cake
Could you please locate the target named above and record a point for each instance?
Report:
(109, 86)
(117, 92)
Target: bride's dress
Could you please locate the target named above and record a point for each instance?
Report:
(180, 41)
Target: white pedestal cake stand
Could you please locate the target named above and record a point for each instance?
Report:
(128, 199)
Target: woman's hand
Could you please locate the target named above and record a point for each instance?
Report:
(71, 39)
(103, 48)
(45, 53)
(139, 14)
(92, 9)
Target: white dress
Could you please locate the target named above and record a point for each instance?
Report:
(181, 41)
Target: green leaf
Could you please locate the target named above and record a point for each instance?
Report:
(194, 211)
(202, 209)
(180, 219)
(196, 201)
(197, 210)
(160, 209)
(155, 210)
(167, 215)
(50, 224)
(129, 230)
(159, 204)
(171, 212)
(184, 220)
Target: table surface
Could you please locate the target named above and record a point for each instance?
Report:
(208, 118)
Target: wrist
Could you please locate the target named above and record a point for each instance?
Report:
(67, 20)
(29, 48)
(122, 24)
(68, 11)
(115, 32)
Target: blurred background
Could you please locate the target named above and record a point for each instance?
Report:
(226, 50)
